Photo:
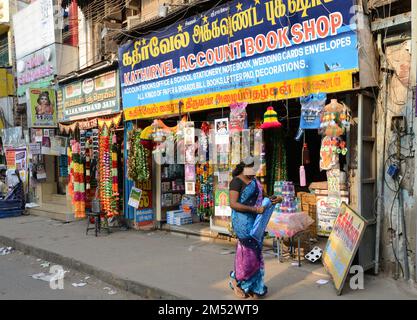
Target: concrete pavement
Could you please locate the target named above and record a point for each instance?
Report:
(16, 282)
(166, 265)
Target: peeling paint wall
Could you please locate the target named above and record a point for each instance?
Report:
(399, 103)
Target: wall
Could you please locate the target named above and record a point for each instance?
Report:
(396, 97)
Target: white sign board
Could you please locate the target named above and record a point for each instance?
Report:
(34, 27)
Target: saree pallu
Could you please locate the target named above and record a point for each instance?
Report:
(249, 264)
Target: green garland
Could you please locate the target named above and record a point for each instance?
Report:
(137, 169)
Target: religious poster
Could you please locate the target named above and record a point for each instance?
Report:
(42, 108)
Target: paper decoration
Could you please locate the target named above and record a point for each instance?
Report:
(88, 124)
(221, 129)
(109, 122)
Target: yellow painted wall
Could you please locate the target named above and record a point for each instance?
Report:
(6, 83)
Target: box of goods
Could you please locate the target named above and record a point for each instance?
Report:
(183, 219)
(166, 200)
(176, 199)
(309, 205)
(178, 185)
(172, 214)
(166, 186)
(322, 189)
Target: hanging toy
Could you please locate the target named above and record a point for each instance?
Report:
(271, 119)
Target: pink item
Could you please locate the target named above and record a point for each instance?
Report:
(302, 177)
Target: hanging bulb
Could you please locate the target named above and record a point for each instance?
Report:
(303, 182)
(306, 154)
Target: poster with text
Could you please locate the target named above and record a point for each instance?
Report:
(42, 108)
(342, 245)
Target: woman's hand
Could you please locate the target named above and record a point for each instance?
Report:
(276, 200)
(260, 210)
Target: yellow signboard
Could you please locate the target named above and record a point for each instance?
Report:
(342, 245)
(329, 82)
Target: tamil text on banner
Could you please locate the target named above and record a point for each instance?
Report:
(342, 245)
(89, 97)
(247, 51)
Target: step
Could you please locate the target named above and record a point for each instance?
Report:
(53, 211)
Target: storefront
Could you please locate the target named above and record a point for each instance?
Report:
(218, 73)
(90, 119)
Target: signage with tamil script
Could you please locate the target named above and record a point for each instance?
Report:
(249, 50)
(89, 97)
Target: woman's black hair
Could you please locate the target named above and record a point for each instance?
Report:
(239, 168)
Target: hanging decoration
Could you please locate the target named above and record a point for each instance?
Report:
(105, 183)
(205, 190)
(68, 128)
(238, 116)
(115, 203)
(137, 169)
(109, 122)
(79, 187)
(271, 119)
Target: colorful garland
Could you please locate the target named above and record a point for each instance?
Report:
(79, 187)
(105, 183)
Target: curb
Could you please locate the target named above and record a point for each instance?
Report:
(131, 286)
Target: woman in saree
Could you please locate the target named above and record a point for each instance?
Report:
(246, 196)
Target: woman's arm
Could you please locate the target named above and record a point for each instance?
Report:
(235, 205)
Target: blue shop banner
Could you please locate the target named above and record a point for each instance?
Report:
(249, 50)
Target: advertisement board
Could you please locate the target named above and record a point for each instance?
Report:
(34, 27)
(41, 108)
(90, 97)
(248, 51)
(36, 70)
(342, 245)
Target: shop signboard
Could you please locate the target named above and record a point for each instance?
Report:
(41, 108)
(342, 245)
(247, 51)
(36, 70)
(34, 27)
(90, 97)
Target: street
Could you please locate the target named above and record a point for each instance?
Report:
(16, 282)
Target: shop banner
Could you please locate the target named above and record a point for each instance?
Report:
(342, 245)
(244, 51)
(89, 98)
(41, 108)
(134, 199)
(144, 216)
(36, 70)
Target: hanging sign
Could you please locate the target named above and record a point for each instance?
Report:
(242, 51)
(134, 199)
(342, 245)
(328, 208)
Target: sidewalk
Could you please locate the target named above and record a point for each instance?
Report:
(166, 265)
